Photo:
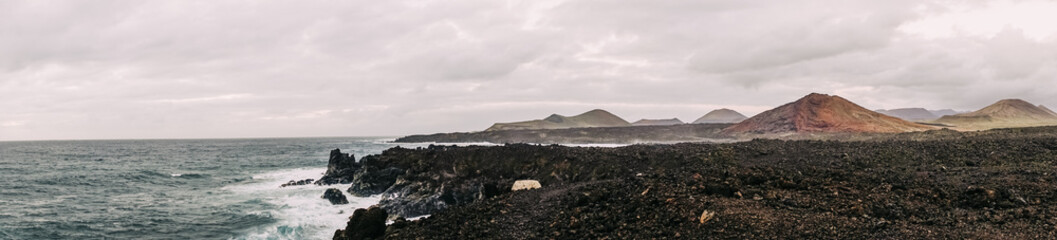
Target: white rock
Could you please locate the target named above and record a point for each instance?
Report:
(525, 184)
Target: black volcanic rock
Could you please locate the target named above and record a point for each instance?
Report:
(364, 224)
(335, 196)
(938, 184)
(297, 183)
(415, 182)
(372, 181)
(340, 168)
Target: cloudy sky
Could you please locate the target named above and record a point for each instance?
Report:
(229, 69)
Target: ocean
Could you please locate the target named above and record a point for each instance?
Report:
(173, 189)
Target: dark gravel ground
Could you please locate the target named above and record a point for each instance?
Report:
(999, 184)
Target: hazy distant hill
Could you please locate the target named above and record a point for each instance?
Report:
(944, 112)
(593, 118)
(1048, 110)
(721, 116)
(823, 113)
(657, 122)
(909, 114)
(1002, 114)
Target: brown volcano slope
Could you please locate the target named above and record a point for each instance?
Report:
(657, 122)
(721, 116)
(1005, 113)
(822, 113)
(593, 118)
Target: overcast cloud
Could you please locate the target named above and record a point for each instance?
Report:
(211, 69)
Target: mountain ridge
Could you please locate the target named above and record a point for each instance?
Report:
(593, 118)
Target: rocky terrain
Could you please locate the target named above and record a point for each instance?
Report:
(822, 113)
(657, 122)
(1002, 114)
(721, 116)
(593, 118)
(618, 135)
(998, 184)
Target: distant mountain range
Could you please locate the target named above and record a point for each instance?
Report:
(910, 114)
(593, 118)
(722, 115)
(917, 114)
(944, 112)
(657, 122)
(822, 113)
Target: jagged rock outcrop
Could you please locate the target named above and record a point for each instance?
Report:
(414, 182)
(340, 168)
(364, 224)
(335, 196)
(823, 114)
(593, 118)
(1005, 113)
(657, 122)
(722, 115)
(371, 181)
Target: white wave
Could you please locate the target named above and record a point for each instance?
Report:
(468, 144)
(601, 145)
(301, 213)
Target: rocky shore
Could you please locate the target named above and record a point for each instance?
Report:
(997, 184)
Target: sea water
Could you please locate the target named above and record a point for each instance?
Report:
(173, 189)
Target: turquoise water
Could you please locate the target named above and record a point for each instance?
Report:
(172, 189)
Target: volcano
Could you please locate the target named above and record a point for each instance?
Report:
(593, 118)
(822, 113)
(722, 115)
(1005, 113)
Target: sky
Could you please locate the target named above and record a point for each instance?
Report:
(107, 69)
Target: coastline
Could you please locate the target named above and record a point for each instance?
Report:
(880, 187)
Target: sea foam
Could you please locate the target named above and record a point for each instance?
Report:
(300, 211)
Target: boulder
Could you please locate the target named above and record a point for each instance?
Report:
(335, 196)
(364, 224)
(525, 185)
